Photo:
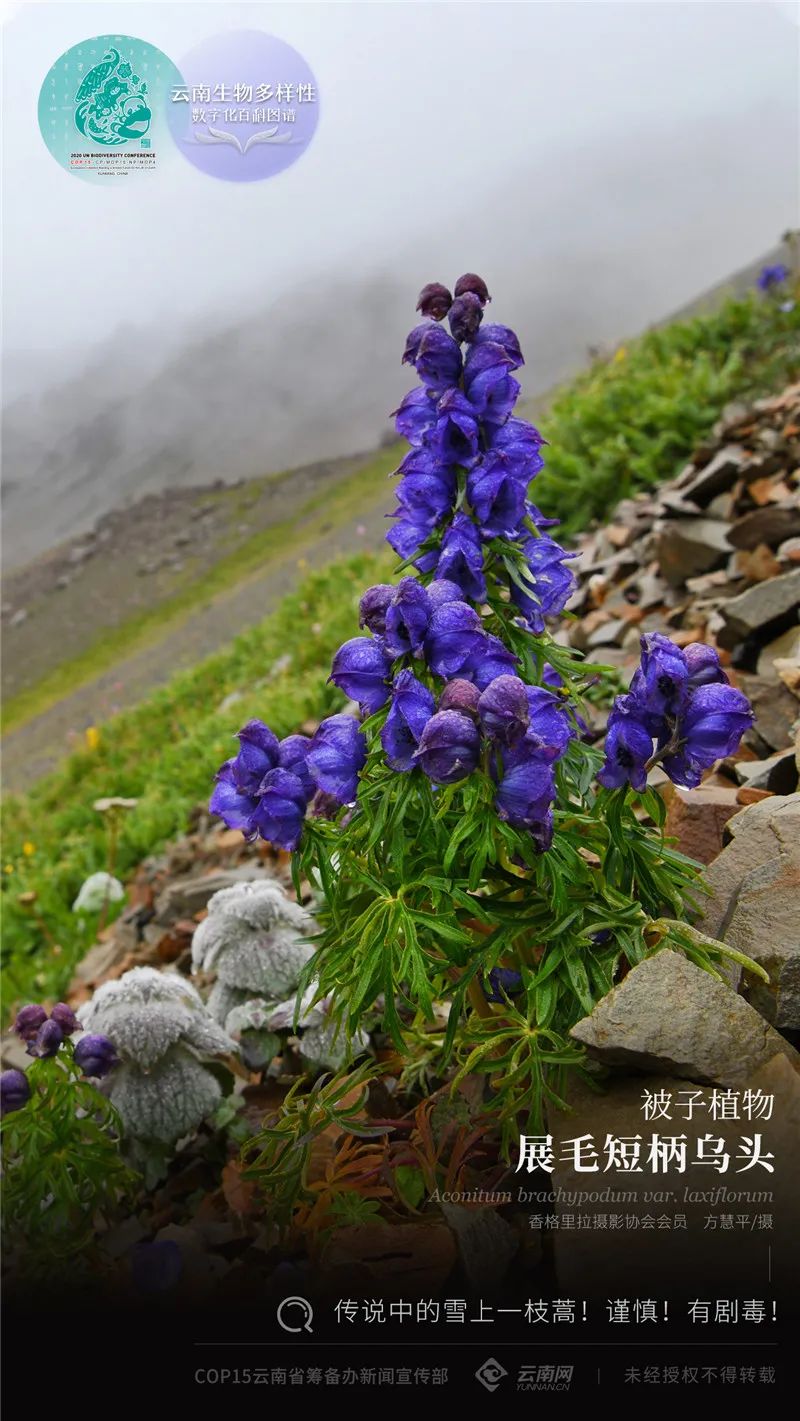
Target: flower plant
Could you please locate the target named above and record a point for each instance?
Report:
(479, 858)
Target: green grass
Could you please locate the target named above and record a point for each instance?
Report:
(163, 753)
(268, 548)
(626, 424)
(629, 423)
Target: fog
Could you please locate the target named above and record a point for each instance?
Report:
(599, 164)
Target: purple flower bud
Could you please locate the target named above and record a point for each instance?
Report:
(506, 339)
(454, 634)
(29, 1020)
(406, 536)
(503, 982)
(503, 710)
(372, 607)
(496, 497)
(258, 754)
(95, 1056)
(441, 591)
(412, 708)
(628, 746)
(294, 756)
(66, 1018)
(470, 282)
(437, 359)
(455, 436)
(338, 752)
(281, 809)
(47, 1040)
(769, 276)
(525, 792)
(415, 416)
(460, 695)
(449, 747)
(360, 668)
(466, 314)
(550, 729)
(14, 1091)
(434, 301)
(488, 661)
(461, 558)
(407, 618)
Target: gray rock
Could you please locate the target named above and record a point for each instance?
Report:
(772, 524)
(763, 920)
(185, 897)
(717, 477)
(757, 835)
(785, 647)
(776, 710)
(668, 1015)
(778, 774)
(486, 1243)
(759, 608)
(691, 546)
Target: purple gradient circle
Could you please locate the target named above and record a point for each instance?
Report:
(247, 108)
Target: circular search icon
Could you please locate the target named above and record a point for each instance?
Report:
(301, 1313)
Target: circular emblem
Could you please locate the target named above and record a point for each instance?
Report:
(247, 106)
(103, 107)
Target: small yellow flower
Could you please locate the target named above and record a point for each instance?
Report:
(92, 737)
(9, 868)
(28, 849)
(620, 355)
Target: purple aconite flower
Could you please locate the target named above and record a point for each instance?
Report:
(407, 618)
(14, 1091)
(449, 747)
(415, 416)
(29, 1020)
(236, 809)
(551, 582)
(465, 316)
(411, 709)
(702, 664)
(338, 753)
(773, 275)
(503, 710)
(470, 282)
(454, 635)
(281, 809)
(715, 720)
(461, 558)
(441, 591)
(66, 1019)
(360, 668)
(519, 443)
(455, 435)
(294, 756)
(406, 536)
(497, 497)
(549, 729)
(434, 301)
(628, 746)
(47, 1040)
(425, 499)
(95, 1056)
(372, 607)
(526, 790)
(258, 754)
(460, 695)
(503, 982)
(659, 684)
(435, 356)
(507, 341)
(491, 658)
(490, 388)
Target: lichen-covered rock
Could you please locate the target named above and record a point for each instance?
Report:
(256, 940)
(145, 1012)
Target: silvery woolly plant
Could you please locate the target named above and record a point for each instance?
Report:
(474, 848)
(162, 1086)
